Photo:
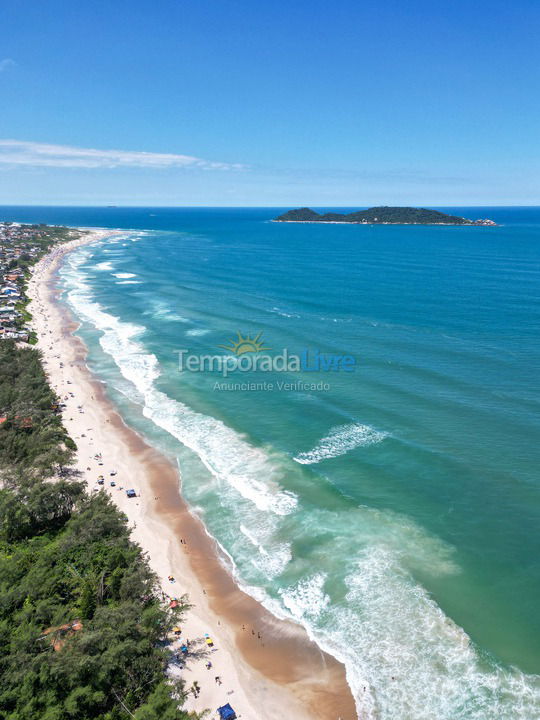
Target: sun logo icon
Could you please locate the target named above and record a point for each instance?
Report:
(245, 344)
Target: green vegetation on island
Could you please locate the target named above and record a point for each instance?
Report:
(381, 216)
(83, 628)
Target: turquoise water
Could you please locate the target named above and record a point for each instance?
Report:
(394, 511)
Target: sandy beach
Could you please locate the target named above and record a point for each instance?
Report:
(264, 667)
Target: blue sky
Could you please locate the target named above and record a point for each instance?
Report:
(237, 102)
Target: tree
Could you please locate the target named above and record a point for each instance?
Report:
(82, 628)
(160, 706)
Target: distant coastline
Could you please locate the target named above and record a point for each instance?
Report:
(383, 215)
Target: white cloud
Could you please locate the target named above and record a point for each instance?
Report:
(20, 152)
(6, 63)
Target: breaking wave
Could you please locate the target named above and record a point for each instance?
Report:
(403, 656)
(340, 440)
(102, 266)
(225, 453)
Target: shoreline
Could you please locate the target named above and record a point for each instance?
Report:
(270, 669)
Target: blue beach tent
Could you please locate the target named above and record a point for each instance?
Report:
(226, 712)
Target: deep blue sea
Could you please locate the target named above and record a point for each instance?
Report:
(394, 508)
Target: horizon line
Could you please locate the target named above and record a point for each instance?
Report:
(261, 207)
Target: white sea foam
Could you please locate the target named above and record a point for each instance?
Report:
(103, 266)
(340, 440)
(128, 282)
(123, 276)
(226, 454)
(282, 313)
(336, 320)
(307, 599)
(416, 659)
(197, 332)
(271, 557)
(162, 311)
(403, 657)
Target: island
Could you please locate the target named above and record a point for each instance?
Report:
(381, 216)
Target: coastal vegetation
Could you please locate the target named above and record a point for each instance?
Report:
(33, 439)
(83, 627)
(381, 215)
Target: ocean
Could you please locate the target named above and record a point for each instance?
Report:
(383, 490)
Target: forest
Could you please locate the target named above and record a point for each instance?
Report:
(83, 627)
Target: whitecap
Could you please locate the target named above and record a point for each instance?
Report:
(282, 313)
(162, 311)
(197, 332)
(340, 440)
(103, 266)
